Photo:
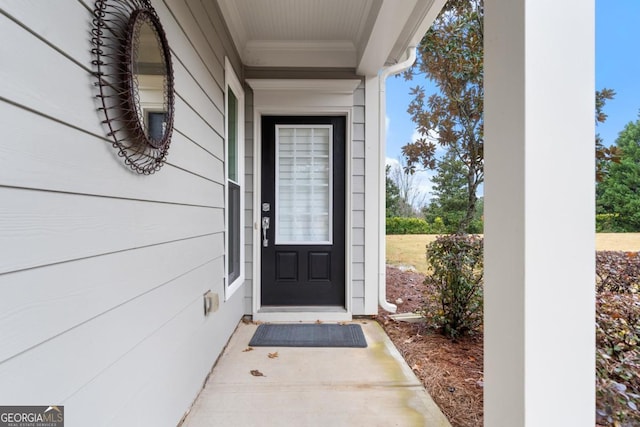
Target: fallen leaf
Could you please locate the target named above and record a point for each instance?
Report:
(318, 321)
(257, 373)
(247, 349)
(273, 355)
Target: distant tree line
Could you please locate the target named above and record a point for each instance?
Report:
(442, 214)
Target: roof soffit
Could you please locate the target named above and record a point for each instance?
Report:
(356, 34)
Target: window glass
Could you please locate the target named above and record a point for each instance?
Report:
(234, 232)
(303, 184)
(234, 185)
(232, 136)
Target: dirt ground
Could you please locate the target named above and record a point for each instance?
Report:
(450, 371)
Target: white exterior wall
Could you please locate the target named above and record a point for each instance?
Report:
(539, 213)
(102, 270)
(358, 295)
(249, 200)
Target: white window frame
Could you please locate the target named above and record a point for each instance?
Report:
(232, 82)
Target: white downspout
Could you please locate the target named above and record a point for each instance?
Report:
(382, 256)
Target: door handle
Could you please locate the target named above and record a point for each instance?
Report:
(265, 228)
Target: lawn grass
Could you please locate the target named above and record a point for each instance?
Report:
(628, 242)
(409, 249)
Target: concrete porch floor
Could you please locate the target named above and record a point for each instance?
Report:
(314, 387)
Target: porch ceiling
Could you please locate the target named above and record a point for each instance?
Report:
(359, 34)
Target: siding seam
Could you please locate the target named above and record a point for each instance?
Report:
(115, 252)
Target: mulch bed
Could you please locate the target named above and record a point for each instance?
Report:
(451, 371)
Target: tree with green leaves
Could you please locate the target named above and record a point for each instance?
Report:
(604, 155)
(449, 190)
(450, 196)
(392, 199)
(451, 55)
(618, 193)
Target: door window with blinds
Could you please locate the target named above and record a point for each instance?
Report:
(304, 184)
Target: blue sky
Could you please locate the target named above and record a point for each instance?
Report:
(618, 62)
(617, 68)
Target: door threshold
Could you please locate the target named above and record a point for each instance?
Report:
(302, 314)
(302, 309)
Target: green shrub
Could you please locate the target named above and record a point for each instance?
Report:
(476, 226)
(454, 303)
(438, 226)
(618, 359)
(400, 225)
(608, 223)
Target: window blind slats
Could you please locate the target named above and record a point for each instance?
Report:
(303, 184)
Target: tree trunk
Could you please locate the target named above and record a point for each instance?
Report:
(472, 185)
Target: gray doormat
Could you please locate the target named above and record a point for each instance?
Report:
(308, 335)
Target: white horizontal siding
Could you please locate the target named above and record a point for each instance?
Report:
(191, 93)
(223, 45)
(249, 199)
(102, 270)
(44, 228)
(189, 156)
(161, 390)
(66, 367)
(46, 81)
(195, 16)
(357, 205)
(186, 38)
(40, 153)
(66, 13)
(41, 303)
(191, 124)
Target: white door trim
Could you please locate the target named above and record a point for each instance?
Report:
(301, 98)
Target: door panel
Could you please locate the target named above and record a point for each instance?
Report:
(303, 203)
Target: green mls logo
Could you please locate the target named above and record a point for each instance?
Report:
(31, 416)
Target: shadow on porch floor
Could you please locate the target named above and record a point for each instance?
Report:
(313, 387)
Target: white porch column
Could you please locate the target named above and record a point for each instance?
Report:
(374, 236)
(539, 213)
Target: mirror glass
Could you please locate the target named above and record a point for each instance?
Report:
(149, 83)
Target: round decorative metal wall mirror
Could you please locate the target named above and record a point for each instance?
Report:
(135, 81)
